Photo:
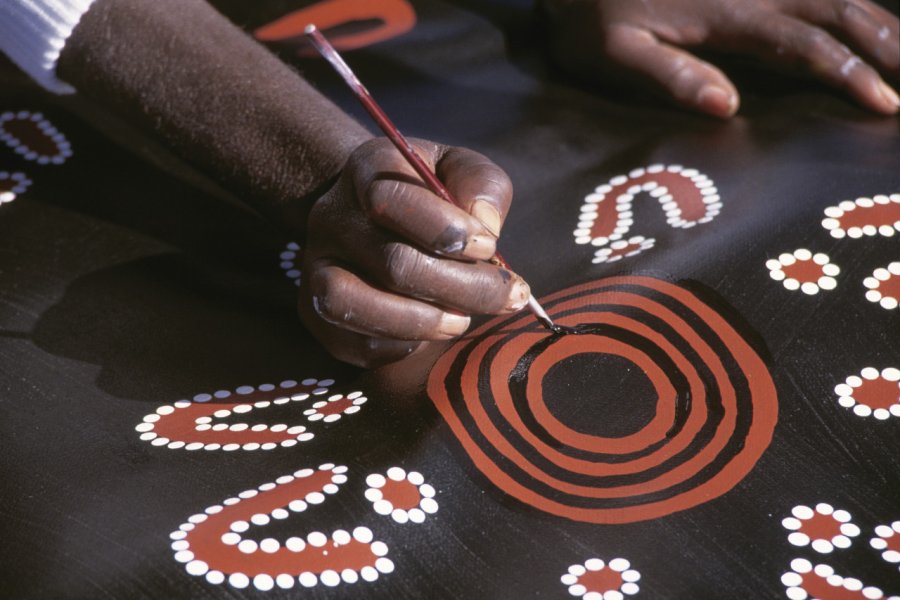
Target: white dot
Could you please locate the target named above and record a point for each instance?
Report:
(619, 564)
(796, 593)
(400, 516)
(263, 582)
(379, 548)
(383, 507)
(238, 580)
(240, 526)
(215, 577)
(295, 544)
(802, 512)
(231, 538)
(384, 565)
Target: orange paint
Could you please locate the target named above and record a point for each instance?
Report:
(877, 393)
(820, 527)
(804, 271)
(683, 191)
(488, 351)
(877, 215)
(206, 538)
(401, 494)
(336, 407)
(601, 581)
(818, 587)
(394, 17)
(181, 425)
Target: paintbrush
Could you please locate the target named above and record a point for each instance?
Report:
(324, 47)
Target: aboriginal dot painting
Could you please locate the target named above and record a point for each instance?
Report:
(721, 423)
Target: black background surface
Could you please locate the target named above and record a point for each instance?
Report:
(125, 285)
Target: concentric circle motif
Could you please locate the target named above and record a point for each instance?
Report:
(212, 544)
(404, 496)
(871, 393)
(291, 258)
(884, 286)
(197, 423)
(716, 404)
(11, 185)
(804, 582)
(597, 580)
(803, 270)
(822, 528)
(878, 215)
(33, 137)
(887, 541)
(688, 198)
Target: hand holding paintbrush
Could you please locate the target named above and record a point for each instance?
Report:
(405, 148)
(389, 264)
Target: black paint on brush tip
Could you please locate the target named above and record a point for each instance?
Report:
(556, 329)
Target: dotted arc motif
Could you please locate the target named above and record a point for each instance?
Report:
(821, 582)
(884, 286)
(335, 407)
(291, 258)
(34, 138)
(211, 544)
(871, 393)
(688, 198)
(191, 424)
(12, 185)
(489, 390)
(879, 215)
(887, 542)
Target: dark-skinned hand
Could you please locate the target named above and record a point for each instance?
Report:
(849, 44)
(389, 265)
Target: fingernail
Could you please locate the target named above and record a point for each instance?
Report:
(480, 247)
(716, 100)
(890, 95)
(518, 295)
(485, 212)
(453, 325)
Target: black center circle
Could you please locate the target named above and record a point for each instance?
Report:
(600, 394)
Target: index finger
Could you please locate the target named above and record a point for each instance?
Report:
(394, 197)
(481, 188)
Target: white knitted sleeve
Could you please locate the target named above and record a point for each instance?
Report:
(34, 32)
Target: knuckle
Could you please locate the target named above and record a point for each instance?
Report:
(683, 77)
(816, 45)
(404, 266)
(379, 195)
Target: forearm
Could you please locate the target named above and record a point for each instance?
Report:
(219, 99)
